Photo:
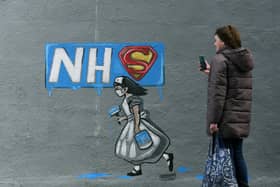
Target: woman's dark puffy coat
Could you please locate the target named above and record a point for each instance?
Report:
(230, 92)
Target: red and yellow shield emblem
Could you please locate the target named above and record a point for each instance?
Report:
(138, 60)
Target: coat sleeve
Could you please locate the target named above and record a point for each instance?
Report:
(217, 90)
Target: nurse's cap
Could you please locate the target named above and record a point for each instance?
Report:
(119, 80)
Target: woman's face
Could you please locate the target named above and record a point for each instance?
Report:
(120, 91)
(219, 44)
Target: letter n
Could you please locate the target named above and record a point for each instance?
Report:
(73, 70)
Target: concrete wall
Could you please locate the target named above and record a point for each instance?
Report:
(54, 139)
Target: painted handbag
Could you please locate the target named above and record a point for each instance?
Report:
(143, 139)
(219, 170)
(114, 111)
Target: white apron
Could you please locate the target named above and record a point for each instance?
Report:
(126, 146)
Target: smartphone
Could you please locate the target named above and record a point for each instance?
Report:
(202, 63)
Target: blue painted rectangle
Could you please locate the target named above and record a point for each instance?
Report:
(154, 77)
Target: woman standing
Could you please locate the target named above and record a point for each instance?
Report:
(230, 95)
(140, 141)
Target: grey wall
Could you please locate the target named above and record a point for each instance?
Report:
(51, 140)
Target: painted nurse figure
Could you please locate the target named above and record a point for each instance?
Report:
(140, 140)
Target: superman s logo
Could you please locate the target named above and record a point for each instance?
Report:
(137, 60)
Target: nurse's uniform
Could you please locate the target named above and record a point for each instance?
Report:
(126, 146)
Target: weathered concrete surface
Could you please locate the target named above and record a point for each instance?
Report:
(49, 141)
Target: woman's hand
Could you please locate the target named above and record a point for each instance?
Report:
(137, 129)
(213, 128)
(207, 70)
(121, 118)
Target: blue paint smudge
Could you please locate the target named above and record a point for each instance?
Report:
(125, 177)
(75, 87)
(50, 92)
(160, 91)
(199, 177)
(94, 175)
(183, 169)
(99, 90)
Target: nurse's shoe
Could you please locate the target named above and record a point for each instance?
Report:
(134, 172)
(170, 161)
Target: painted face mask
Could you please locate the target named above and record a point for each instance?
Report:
(120, 92)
